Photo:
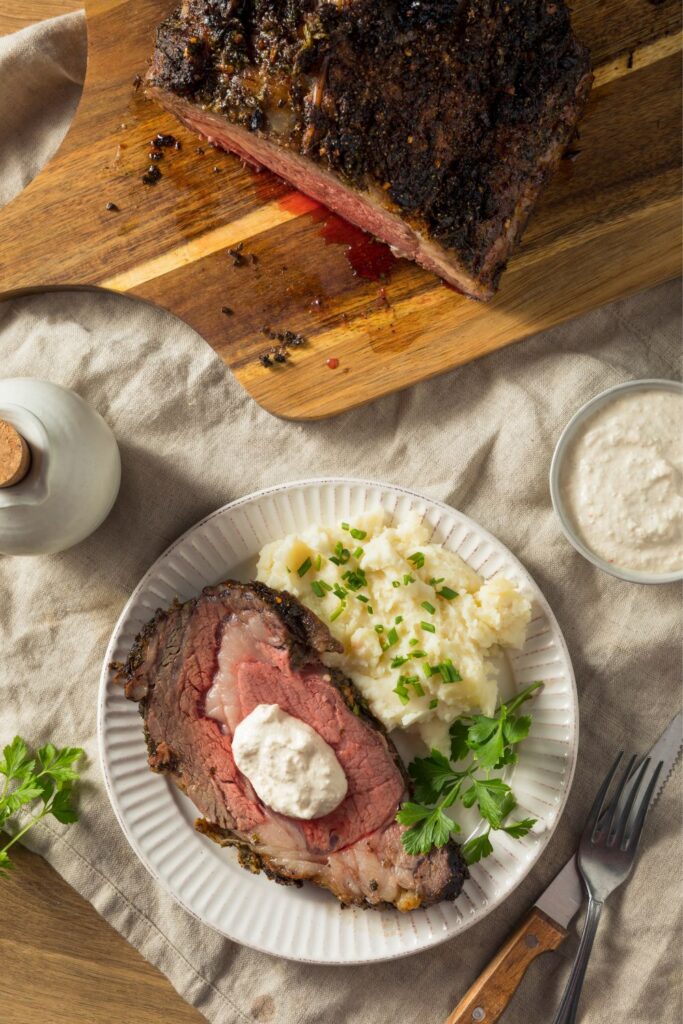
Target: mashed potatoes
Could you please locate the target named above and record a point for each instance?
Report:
(418, 625)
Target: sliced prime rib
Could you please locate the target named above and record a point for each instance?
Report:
(199, 668)
(432, 124)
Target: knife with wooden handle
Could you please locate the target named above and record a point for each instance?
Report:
(545, 926)
(542, 930)
(495, 986)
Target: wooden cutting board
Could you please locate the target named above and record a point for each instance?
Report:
(608, 225)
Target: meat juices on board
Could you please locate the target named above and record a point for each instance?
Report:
(433, 127)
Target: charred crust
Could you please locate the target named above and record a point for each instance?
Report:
(457, 871)
(124, 671)
(299, 620)
(457, 105)
(160, 756)
(305, 628)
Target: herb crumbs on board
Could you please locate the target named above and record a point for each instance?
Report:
(152, 175)
(286, 340)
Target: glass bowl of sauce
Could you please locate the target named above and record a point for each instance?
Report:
(616, 481)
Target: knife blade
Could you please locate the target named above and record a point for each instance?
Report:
(545, 926)
(564, 896)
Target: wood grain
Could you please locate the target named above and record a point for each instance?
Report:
(18, 14)
(492, 991)
(63, 964)
(608, 225)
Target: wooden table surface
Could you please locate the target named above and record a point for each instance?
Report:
(60, 962)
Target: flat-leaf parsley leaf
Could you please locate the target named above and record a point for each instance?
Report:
(48, 777)
(479, 744)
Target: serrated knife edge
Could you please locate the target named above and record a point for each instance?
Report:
(668, 750)
(562, 899)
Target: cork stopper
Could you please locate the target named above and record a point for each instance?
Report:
(15, 455)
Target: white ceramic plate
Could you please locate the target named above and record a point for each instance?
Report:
(307, 924)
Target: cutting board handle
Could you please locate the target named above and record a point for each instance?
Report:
(494, 988)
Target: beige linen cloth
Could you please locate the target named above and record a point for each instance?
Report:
(479, 438)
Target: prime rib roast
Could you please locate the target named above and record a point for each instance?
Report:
(199, 668)
(432, 124)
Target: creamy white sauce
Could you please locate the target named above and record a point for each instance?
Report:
(291, 767)
(622, 481)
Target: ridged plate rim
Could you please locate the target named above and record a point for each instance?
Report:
(359, 933)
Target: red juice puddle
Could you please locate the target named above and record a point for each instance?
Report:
(298, 203)
(368, 258)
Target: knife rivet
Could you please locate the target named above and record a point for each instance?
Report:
(531, 941)
(479, 1013)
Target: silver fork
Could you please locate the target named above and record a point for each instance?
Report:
(605, 859)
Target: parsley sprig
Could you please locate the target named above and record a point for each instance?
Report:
(48, 777)
(488, 744)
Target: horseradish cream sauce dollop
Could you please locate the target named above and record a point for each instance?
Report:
(291, 767)
(622, 481)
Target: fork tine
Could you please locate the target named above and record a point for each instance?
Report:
(632, 839)
(616, 799)
(596, 809)
(617, 837)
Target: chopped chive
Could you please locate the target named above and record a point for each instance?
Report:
(433, 704)
(358, 553)
(417, 559)
(337, 612)
(407, 580)
(318, 562)
(339, 592)
(369, 609)
(363, 598)
(401, 691)
(447, 593)
(428, 671)
(345, 526)
(405, 681)
(396, 584)
(358, 534)
(341, 554)
(418, 654)
(392, 637)
(434, 582)
(449, 673)
(398, 620)
(355, 579)
(379, 629)
(428, 627)
(428, 607)
(304, 567)
(398, 661)
(317, 588)
(413, 642)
